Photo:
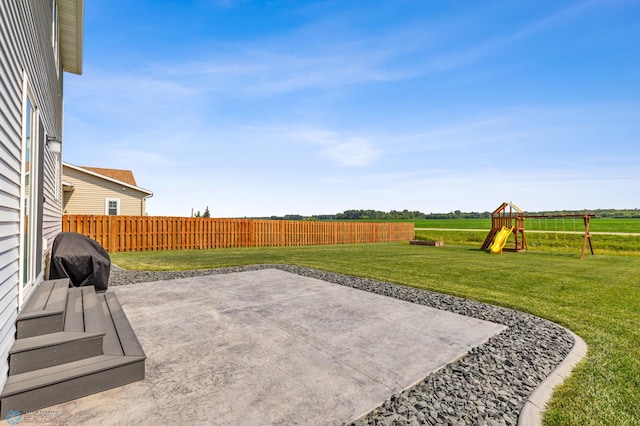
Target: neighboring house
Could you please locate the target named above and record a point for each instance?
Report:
(99, 191)
(39, 40)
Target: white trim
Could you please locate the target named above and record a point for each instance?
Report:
(57, 177)
(107, 178)
(55, 35)
(25, 289)
(106, 205)
(71, 24)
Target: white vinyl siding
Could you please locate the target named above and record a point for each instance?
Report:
(10, 197)
(25, 49)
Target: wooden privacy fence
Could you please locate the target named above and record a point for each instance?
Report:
(144, 233)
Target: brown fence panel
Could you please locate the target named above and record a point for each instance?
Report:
(144, 233)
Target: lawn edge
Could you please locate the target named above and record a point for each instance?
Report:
(535, 406)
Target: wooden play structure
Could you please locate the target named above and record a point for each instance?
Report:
(508, 215)
(510, 219)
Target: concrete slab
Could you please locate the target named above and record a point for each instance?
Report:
(271, 347)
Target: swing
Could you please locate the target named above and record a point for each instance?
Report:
(546, 229)
(530, 221)
(539, 232)
(500, 218)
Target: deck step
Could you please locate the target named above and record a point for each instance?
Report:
(34, 353)
(90, 348)
(45, 311)
(83, 312)
(54, 385)
(127, 337)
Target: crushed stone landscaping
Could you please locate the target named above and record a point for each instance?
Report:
(487, 386)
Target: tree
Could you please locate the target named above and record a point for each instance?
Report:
(206, 212)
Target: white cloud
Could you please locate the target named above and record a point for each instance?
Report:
(353, 152)
(269, 72)
(347, 151)
(290, 118)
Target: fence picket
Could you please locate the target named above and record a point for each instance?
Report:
(144, 233)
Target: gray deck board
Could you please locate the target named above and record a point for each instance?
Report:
(44, 311)
(35, 379)
(126, 335)
(74, 343)
(111, 344)
(67, 386)
(53, 349)
(74, 317)
(38, 300)
(93, 315)
(58, 297)
(51, 339)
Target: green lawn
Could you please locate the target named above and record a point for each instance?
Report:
(453, 223)
(597, 224)
(546, 241)
(598, 298)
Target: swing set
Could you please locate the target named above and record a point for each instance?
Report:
(510, 219)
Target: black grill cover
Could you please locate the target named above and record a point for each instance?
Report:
(81, 259)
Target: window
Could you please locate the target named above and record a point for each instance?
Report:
(112, 206)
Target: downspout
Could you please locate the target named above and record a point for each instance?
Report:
(144, 204)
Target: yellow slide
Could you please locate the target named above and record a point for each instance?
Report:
(500, 240)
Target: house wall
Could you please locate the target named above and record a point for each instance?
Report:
(25, 48)
(90, 192)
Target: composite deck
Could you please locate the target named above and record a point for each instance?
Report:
(70, 343)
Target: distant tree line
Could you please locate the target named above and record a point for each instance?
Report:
(380, 215)
(611, 213)
(457, 214)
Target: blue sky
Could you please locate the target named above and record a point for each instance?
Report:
(260, 108)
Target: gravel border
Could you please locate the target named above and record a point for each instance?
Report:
(487, 386)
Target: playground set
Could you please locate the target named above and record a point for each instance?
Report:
(509, 219)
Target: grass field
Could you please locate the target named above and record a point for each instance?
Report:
(569, 224)
(598, 298)
(565, 243)
(549, 235)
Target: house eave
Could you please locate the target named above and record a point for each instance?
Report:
(71, 27)
(107, 178)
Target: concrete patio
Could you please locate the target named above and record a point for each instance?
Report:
(270, 347)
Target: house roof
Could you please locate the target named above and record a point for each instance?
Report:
(125, 176)
(121, 177)
(71, 27)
